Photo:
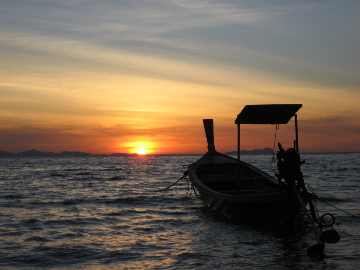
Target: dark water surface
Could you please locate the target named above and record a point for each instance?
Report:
(104, 213)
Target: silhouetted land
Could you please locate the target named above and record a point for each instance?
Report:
(266, 151)
(36, 153)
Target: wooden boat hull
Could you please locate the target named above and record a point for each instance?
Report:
(251, 193)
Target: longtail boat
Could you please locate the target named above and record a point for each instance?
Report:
(236, 188)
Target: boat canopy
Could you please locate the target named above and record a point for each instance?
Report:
(267, 114)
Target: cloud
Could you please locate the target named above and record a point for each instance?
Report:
(201, 41)
(333, 125)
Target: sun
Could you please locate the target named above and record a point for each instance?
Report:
(141, 152)
(140, 147)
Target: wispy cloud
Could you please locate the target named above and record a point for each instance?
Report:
(248, 35)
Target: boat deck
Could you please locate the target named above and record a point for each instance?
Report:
(224, 178)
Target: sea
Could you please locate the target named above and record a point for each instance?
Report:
(129, 212)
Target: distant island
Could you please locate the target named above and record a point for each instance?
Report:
(265, 151)
(36, 153)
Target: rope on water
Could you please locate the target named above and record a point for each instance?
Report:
(181, 178)
(338, 208)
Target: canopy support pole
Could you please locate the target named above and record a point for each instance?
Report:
(238, 159)
(296, 134)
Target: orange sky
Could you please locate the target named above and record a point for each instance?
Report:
(121, 76)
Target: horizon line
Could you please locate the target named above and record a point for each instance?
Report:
(153, 154)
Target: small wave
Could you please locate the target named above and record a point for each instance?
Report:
(69, 202)
(72, 235)
(67, 254)
(116, 255)
(31, 221)
(58, 175)
(343, 169)
(113, 214)
(141, 199)
(332, 199)
(12, 197)
(37, 239)
(76, 169)
(62, 202)
(143, 228)
(117, 177)
(128, 200)
(17, 233)
(83, 173)
(78, 221)
(111, 169)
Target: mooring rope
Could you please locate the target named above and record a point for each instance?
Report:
(181, 178)
(338, 208)
(277, 126)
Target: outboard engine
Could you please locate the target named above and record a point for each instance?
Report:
(289, 166)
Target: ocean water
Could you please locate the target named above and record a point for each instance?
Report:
(105, 213)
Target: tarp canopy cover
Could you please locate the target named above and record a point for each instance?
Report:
(267, 114)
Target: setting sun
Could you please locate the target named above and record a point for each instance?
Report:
(141, 147)
(141, 152)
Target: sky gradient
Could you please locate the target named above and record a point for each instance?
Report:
(118, 76)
